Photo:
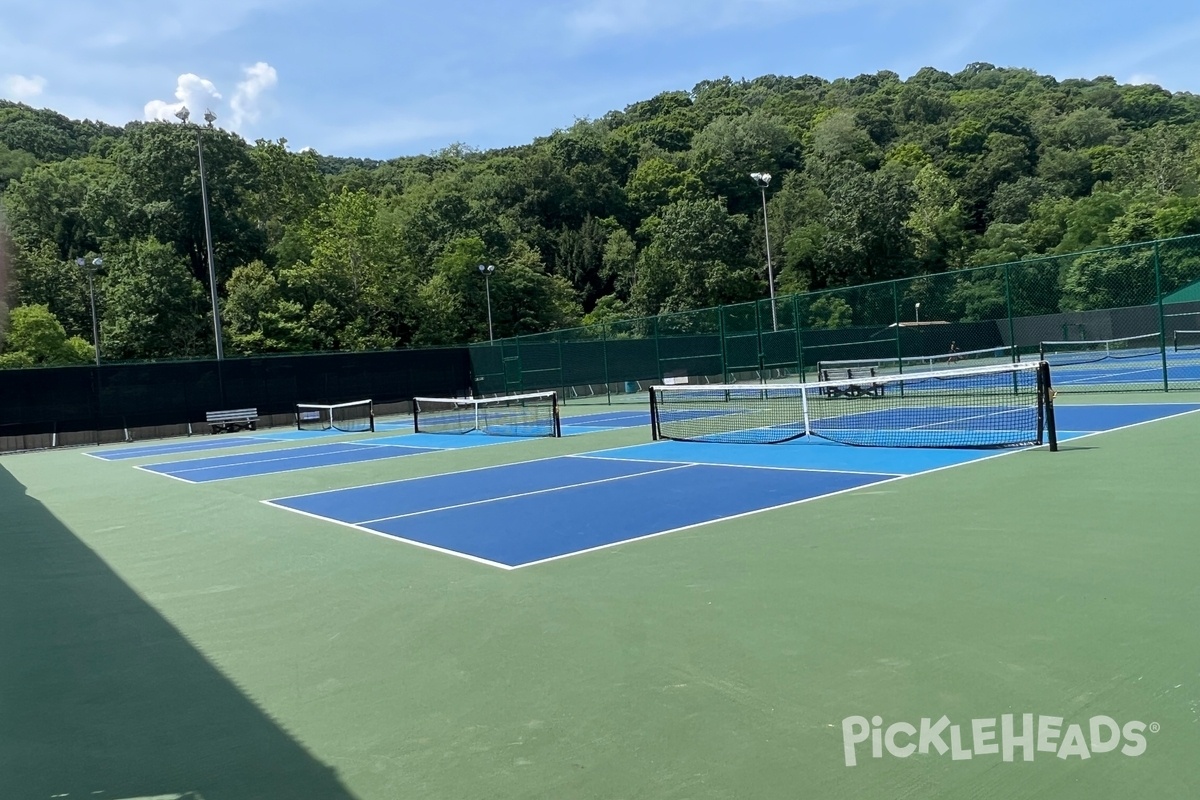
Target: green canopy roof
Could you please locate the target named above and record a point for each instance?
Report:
(1188, 294)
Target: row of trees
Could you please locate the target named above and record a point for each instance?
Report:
(643, 211)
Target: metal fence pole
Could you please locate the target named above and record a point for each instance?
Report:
(721, 333)
(604, 355)
(1008, 304)
(896, 314)
(1162, 320)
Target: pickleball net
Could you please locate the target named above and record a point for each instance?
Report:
(1006, 405)
(1183, 341)
(831, 369)
(354, 417)
(533, 414)
(1086, 352)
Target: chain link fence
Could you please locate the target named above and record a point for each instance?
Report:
(1119, 319)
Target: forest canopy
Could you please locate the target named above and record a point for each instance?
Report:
(645, 210)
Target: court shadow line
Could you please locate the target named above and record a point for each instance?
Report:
(102, 696)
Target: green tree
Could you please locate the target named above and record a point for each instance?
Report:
(35, 337)
(697, 256)
(154, 307)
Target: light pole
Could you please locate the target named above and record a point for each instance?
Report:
(486, 271)
(210, 118)
(90, 269)
(918, 309)
(763, 180)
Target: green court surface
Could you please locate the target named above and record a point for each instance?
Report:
(174, 640)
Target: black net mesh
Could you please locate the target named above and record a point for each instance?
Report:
(1001, 406)
(533, 414)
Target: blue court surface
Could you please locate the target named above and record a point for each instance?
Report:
(604, 421)
(1133, 369)
(213, 442)
(242, 465)
(532, 512)
(268, 462)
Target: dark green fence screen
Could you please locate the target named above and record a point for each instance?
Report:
(1118, 319)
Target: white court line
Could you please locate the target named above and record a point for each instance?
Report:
(739, 466)
(143, 468)
(177, 473)
(343, 447)
(391, 537)
(563, 556)
(461, 471)
(530, 493)
(843, 491)
(1077, 381)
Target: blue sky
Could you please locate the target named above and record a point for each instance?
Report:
(378, 79)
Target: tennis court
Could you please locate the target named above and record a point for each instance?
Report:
(521, 514)
(1127, 362)
(398, 614)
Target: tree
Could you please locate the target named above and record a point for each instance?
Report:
(697, 256)
(354, 293)
(262, 318)
(154, 307)
(936, 220)
(35, 337)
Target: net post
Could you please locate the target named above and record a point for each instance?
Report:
(1046, 403)
(654, 432)
(416, 409)
(804, 409)
(371, 416)
(557, 419)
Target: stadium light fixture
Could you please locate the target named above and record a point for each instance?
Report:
(763, 180)
(486, 271)
(90, 268)
(209, 117)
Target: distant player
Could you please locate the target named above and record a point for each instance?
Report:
(953, 350)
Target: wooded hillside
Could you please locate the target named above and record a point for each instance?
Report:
(645, 210)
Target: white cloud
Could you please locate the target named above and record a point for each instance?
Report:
(20, 87)
(190, 90)
(247, 96)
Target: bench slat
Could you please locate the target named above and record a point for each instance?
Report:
(232, 420)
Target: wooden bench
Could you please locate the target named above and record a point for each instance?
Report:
(232, 420)
(858, 382)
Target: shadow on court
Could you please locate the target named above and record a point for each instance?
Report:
(101, 697)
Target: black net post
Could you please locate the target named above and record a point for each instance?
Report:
(654, 432)
(1046, 405)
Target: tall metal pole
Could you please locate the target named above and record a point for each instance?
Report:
(91, 272)
(486, 271)
(212, 270)
(95, 325)
(487, 287)
(763, 179)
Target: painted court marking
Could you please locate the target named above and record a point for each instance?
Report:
(207, 470)
(512, 521)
